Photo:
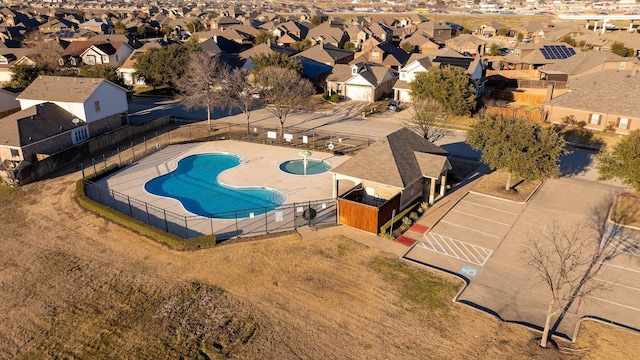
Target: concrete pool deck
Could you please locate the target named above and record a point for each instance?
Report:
(259, 168)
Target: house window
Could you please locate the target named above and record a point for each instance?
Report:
(80, 134)
(403, 76)
(623, 123)
(375, 55)
(595, 119)
(91, 60)
(15, 153)
(105, 59)
(96, 104)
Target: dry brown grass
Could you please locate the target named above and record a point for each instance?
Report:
(626, 210)
(494, 185)
(73, 285)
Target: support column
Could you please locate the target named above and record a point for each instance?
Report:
(443, 184)
(334, 192)
(586, 26)
(432, 190)
(631, 26)
(595, 26)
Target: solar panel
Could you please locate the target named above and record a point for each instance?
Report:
(552, 52)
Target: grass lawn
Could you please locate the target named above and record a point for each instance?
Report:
(494, 185)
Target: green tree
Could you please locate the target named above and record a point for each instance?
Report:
(276, 59)
(584, 46)
(301, 45)
(22, 75)
(195, 26)
(494, 49)
(622, 161)
(104, 71)
(619, 49)
(316, 20)
(284, 91)
(567, 39)
(263, 36)
(517, 145)
(141, 31)
(162, 66)
(519, 37)
(119, 28)
(451, 86)
(349, 46)
(202, 85)
(407, 47)
(503, 32)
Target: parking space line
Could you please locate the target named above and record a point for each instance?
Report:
(615, 303)
(472, 229)
(489, 207)
(454, 248)
(480, 217)
(632, 249)
(622, 267)
(616, 284)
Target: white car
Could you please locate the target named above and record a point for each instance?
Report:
(512, 41)
(527, 39)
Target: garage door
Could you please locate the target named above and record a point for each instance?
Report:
(404, 96)
(358, 93)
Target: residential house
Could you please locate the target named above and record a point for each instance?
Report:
(223, 22)
(468, 43)
(97, 25)
(587, 62)
(385, 54)
(11, 57)
(532, 56)
(491, 28)
(402, 87)
(388, 176)
(113, 53)
(59, 112)
(362, 81)
(533, 29)
(325, 33)
(327, 54)
(293, 28)
(8, 103)
(605, 100)
(54, 25)
(421, 43)
(440, 33)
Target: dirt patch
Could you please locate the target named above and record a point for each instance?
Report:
(494, 185)
(73, 285)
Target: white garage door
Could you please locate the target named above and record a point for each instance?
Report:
(358, 93)
(403, 96)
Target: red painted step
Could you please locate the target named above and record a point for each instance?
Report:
(405, 241)
(419, 228)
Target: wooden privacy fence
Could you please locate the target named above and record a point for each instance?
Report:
(539, 116)
(516, 96)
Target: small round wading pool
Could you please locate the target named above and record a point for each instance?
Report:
(297, 167)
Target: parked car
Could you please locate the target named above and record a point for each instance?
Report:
(527, 39)
(513, 41)
(394, 105)
(488, 35)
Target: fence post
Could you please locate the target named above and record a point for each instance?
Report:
(129, 202)
(99, 195)
(82, 169)
(229, 131)
(236, 216)
(146, 209)
(146, 151)
(104, 160)
(186, 226)
(166, 224)
(211, 225)
(309, 208)
(157, 141)
(266, 221)
(133, 154)
(113, 196)
(190, 136)
(169, 137)
(119, 158)
(94, 167)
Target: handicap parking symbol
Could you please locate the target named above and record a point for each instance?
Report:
(613, 229)
(468, 270)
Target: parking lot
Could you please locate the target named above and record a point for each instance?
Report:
(481, 239)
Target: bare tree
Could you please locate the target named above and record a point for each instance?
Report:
(284, 91)
(566, 256)
(243, 94)
(429, 118)
(202, 84)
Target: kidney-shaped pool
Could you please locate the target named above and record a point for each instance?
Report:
(195, 184)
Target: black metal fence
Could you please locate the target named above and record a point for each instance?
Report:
(225, 225)
(200, 132)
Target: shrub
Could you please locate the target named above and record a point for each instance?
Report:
(406, 221)
(413, 216)
(335, 98)
(325, 95)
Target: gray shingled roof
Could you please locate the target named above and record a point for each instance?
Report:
(62, 88)
(583, 61)
(34, 124)
(609, 91)
(399, 160)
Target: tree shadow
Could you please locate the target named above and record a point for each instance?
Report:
(576, 162)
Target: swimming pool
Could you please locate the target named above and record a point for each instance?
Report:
(195, 184)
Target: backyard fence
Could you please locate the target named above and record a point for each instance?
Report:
(224, 225)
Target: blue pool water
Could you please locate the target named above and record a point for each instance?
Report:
(195, 184)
